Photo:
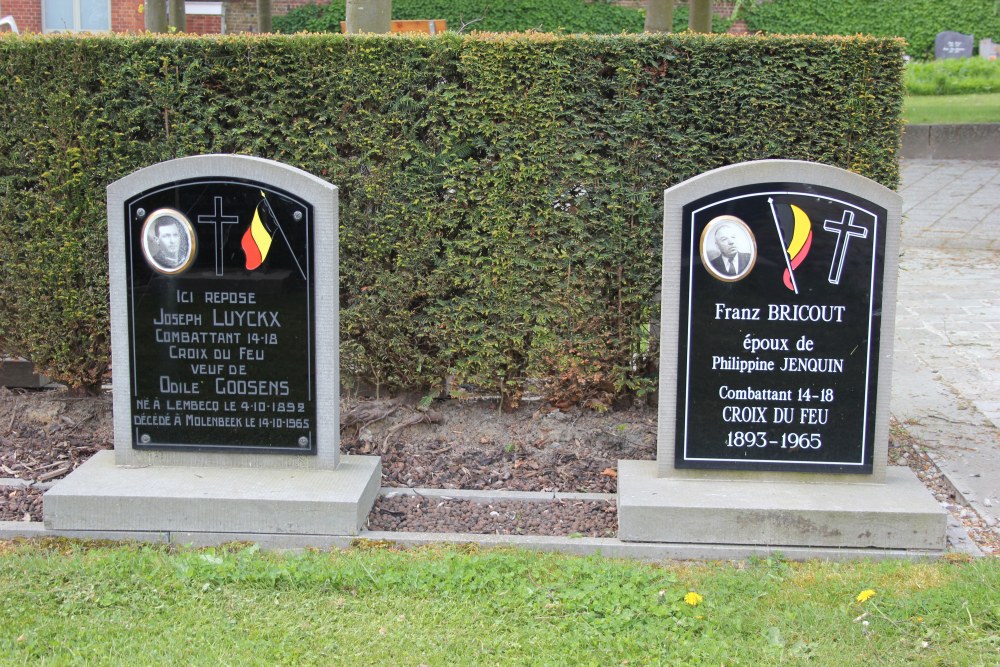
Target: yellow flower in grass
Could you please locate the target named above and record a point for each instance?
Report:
(693, 599)
(865, 595)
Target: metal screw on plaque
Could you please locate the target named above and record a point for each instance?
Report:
(303, 441)
(140, 212)
(297, 215)
(144, 438)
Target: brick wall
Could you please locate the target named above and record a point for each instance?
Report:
(239, 15)
(204, 25)
(27, 13)
(126, 16)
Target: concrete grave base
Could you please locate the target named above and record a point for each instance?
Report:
(100, 496)
(900, 514)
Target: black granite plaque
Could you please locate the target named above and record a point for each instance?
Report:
(221, 313)
(779, 330)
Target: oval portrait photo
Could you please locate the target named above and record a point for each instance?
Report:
(728, 248)
(168, 241)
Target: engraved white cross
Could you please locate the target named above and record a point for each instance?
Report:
(844, 229)
(219, 221)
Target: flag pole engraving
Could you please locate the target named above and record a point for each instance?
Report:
(784, 248)
(281, 230)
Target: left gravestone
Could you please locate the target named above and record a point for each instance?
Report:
(224, 309)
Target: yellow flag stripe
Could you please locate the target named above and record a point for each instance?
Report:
(260, 235)
(801, 232)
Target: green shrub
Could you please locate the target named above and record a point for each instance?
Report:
(917, 21)
(556, 16)
(953, 76)
(500, 196)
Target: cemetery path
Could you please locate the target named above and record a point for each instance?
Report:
(946, 371)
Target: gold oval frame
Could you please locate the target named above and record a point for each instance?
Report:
(148, 232)
(713, 224)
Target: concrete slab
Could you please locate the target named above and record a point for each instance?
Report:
(900, 514)
(584, 546)
(100, 496)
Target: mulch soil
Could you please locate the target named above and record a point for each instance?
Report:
(45, 435)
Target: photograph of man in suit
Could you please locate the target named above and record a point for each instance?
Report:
(734, 253)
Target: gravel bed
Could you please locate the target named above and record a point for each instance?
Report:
(20, 504)
(904, 450)
(583, 518)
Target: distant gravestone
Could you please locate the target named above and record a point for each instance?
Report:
(225, 335)
(776, 348)
(950, 44)
(987, 49)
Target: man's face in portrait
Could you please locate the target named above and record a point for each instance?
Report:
(169, 237)
(725, 238)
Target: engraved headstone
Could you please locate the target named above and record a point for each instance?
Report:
(222, 317)
(950, 44)
(776, 345)
(225, 335)
(779, 361)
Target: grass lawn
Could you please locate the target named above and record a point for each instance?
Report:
(947, 109)
(69, 603)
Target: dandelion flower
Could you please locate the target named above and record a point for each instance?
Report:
(865, 595)
(693, 599)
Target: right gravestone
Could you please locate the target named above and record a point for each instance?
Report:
(951, 44)
(779, 284)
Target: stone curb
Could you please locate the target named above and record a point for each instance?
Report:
(15, 483)
(583, 546)
(979, 141)
(489, 496)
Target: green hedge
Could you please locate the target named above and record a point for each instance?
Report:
(501, 196)
(556, 16)
(917, 21)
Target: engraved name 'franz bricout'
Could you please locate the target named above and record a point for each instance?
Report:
(783, 313)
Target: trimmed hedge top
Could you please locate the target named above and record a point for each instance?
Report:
(501, 195)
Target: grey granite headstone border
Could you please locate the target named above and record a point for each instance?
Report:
(324, 198)
(749, 173)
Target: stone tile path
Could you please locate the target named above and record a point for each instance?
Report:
(946, 375)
